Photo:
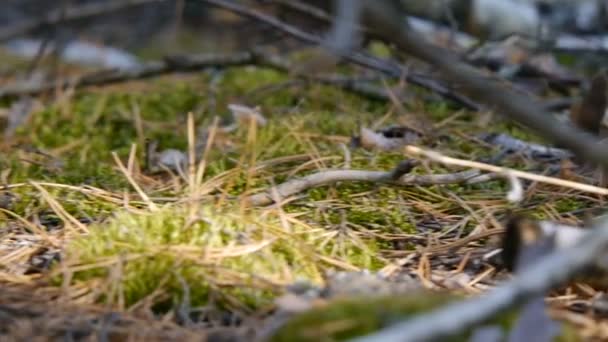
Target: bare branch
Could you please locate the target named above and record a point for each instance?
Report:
(395, 177)
(547, 273)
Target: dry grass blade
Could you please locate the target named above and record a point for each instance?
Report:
(68, 219)
(136, 186)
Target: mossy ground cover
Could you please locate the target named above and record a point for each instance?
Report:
(198, 242)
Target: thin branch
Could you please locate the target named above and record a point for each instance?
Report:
(487, 89)
(531, 150)
(440, 158)
(390, 68)
(71, 13)
(537, 279)
(395, 177)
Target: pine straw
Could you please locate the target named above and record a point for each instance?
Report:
(451, 247)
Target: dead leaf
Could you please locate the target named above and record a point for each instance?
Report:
(242, 114)
(172, 159)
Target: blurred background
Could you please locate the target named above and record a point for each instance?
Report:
(148, 29)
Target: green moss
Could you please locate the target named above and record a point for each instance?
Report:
(138, 253)
(379, 49)
(563, 205)
(344, 319)
(163, 247)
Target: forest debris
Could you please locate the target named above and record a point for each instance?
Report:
(76, 52)
(242, 114)
(530, 150)
(516, 192)
(499, 18)
(391, 68)
(589, 113)
(533, 322)
(489, 89)
(291, 303)
(522, 231)
(171, 159)
(440, 158)
(321, 178)
(365, 283)
(387, 139)
(539, 277)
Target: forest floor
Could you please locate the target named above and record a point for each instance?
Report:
(98, 240)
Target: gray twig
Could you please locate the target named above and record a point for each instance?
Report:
(547, 273)
(397, 176)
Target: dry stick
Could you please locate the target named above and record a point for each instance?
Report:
(71, 13)
(395, 177)
(537, 279)
(438, 157)
(387, 67)
(489, 90)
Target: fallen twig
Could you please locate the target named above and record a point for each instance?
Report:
(538, 278)
(396, 177)
(530, 150)
(440, 158)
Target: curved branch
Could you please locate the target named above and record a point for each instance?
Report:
(321, 178)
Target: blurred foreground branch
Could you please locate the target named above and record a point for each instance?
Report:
(546, 274)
